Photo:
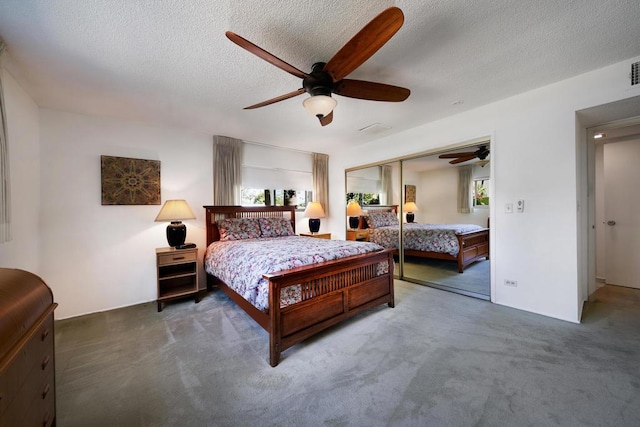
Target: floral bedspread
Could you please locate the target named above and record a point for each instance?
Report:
(241, 263)
(439, 238)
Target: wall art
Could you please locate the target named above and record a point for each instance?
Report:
(127, 181)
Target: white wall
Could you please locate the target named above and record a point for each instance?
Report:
(98, 257)
(24, 166)
(537, 248)
(437, 196)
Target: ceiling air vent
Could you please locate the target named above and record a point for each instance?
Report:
(374, 129)
(635, 73)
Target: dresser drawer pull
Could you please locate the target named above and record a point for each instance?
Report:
(178, 258)
(45, 362)
(45, 334)
(45, 420)
(45, 390)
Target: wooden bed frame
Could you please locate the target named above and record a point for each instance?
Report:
(331, 291)
(474, 245)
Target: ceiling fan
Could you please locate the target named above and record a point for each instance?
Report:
(327, 78)
(481, 153)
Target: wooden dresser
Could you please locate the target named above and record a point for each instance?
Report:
(27, 368)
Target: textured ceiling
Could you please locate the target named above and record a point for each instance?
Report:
(168, 62)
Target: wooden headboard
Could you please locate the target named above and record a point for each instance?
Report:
(216, 213)
(369, 208)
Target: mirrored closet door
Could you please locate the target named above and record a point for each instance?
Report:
(434, 211)
(446, 236)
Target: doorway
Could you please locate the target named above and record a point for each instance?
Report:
(615, 122)
(617, 150)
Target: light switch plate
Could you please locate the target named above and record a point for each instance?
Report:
(508, 208)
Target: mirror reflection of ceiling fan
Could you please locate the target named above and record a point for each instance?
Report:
(327, 78)
(481, 153)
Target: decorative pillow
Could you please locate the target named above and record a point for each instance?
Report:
(381, 219)
(275, 227)
(239, 228)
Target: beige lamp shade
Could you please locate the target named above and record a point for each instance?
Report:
(314, 210)
(354, 209)
(410, 207)
(175, 210)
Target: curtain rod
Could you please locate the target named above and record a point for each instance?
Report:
(262, 144)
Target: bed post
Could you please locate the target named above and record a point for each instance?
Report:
(274, 324)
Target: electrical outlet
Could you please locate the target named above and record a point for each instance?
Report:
(520, 206)
(512, 283)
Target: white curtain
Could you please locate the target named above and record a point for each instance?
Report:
(227, 170)
(386, 184)
(5, 187)
(465, 177)
(320, 172)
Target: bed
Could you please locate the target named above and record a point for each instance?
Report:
(299, 301)
(462, 243)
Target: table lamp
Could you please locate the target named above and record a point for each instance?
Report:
(314, 212)
(354, 211)
(175, 211)
(410, 208)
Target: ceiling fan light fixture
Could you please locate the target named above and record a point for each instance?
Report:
(319, 105)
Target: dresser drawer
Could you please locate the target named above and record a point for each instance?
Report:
(34, 402)
(36, 354)
(177, 257)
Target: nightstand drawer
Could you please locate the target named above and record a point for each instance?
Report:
(177, 257)
(360, 235)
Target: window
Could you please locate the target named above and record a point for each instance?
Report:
(364, 199)
(258, 196)
(481, 192)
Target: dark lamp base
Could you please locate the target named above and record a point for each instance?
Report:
(354, 222)
(314, 225)
(410, 217)
(176, 233)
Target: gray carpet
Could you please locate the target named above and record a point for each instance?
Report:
(476, 277)
(436, 359)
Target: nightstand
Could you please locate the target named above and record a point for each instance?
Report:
(317, 235)
(177, 274)
(359, 235)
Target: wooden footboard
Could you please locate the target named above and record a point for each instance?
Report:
(474, 245)
(331, 292)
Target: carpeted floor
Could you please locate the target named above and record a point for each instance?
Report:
(476, 277)
(436, 359)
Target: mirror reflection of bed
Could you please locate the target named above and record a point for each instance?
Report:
(433, 183)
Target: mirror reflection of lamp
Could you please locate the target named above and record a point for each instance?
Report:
(410, 208)
(314, 212)
(353, 212)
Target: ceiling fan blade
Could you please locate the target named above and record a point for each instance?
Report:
(372, 91)
(326, 119)
(455, 155)
(462, 159)
(260, 52)
(364, 44)
(276, 99)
